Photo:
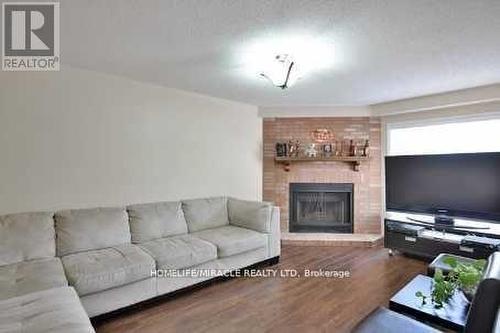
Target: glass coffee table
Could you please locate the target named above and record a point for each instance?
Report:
(452, 315)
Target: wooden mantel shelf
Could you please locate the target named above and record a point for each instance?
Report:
(354, 160)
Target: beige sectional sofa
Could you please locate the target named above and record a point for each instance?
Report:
(115, 257)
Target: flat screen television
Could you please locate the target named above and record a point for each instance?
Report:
(464, 185)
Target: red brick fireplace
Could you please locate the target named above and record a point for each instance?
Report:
(367, 181)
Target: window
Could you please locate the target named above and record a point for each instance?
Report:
(447, 138)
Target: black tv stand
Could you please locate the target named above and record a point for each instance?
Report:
(420, 236)
(450, 227)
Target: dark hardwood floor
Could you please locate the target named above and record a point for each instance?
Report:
(282, 304)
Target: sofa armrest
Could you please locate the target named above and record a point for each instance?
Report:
(253, 215)
(484, 311)
(275, 236)
(258, 216)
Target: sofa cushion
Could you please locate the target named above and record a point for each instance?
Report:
(30, 276)
(56, 310)
(231, 240)
(206, 213)
(26, 236)
(98, 270)
(91, 229)
(180, 251)
(250, 214)
(156, 220)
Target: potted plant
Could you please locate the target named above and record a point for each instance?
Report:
(463, 276)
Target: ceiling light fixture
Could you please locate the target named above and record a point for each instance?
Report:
(283, 58)
(282, 72)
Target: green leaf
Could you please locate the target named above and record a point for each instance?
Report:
(419, 294)
(438, 275)
(464, 276)
(479, 264)
(450, 261)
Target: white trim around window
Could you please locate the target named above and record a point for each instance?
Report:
(456, 134)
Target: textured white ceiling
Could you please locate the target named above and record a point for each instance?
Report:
(385, 50)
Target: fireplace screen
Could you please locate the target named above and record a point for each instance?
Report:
(321, 207)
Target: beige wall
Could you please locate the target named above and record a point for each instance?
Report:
(79, 138)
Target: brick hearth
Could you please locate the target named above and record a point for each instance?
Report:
(326, 239)
(367, 182)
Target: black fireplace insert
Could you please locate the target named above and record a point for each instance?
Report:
(320, 207)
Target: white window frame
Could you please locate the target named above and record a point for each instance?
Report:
(433, 121)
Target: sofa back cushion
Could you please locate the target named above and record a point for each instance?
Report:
(205, 213)
(26, 236)
(156, 220)
(91, 229)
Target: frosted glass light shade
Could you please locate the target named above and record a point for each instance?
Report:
(282, 71)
